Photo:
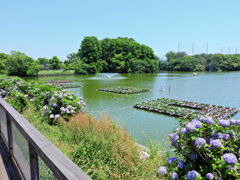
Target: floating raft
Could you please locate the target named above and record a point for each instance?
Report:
(60, 81)
(124, 90)
(186, 109)
(64, 84)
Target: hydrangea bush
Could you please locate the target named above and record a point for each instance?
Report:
(207, 149)
(52, 101)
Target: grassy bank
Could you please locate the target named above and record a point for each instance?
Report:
(99, 147)
(55, 72)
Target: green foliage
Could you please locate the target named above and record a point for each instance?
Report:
(18, 101)
(90, 50)
(55, 63)
(83, 68)
(43, 60)
(20, 64)
(202, 144)
(113, 55)
(2, 67)
(202, 62)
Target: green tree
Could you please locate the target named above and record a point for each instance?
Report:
(3, 58)
(55, 63)
(90, 50)
(43, 60)
(19, 64)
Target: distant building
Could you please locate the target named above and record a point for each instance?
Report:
(46, 66)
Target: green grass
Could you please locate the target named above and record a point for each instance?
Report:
(55, 72)
(99, 147)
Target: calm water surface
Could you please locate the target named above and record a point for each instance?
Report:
(213, 88)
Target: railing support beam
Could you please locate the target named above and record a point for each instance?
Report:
(33, 163)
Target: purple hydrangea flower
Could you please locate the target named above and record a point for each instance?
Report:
(208, 120)
(56, 116)
(232, 168)
(26, 95)
(191, 175)
(184, 130)
(44, 108)
(72, 111)
(197, 123)
(216, 143)
(224, 123)
(162, 170)
(201, 118)
(171, 160)
(174, 175)
(69, 106)
(175, 138)
(190, 127)
(81, 98)
(180, 164)
(64, 90)
(60, 96)
(226, 136)
(219, 135)
(193, 156)
(55, 105)
(230, 158)
(70, 97)
(56, 95)
(51, 116)
(209, 176)
(233, 121)
(200, 142)
(62, 109)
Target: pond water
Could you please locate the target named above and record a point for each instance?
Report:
(213, 88)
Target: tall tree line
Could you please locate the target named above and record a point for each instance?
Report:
(180, 61)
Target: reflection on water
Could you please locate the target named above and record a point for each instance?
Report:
(213, 88)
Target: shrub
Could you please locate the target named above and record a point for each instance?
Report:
(208, 148)
(18, 101)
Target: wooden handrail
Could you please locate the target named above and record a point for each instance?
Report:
(60, 165)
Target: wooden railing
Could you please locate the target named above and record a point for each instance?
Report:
(34, 155)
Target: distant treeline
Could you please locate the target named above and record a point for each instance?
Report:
(180, 61)
(122, 55)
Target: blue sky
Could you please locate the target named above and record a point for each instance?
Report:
(56, 27)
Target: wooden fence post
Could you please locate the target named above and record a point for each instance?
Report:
(33, 162)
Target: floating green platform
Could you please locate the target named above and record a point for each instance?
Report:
(124, 90)
(186, 109)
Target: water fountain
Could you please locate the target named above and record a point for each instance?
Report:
(107, 76)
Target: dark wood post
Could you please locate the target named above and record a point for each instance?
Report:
(33, 163)
(9, 131)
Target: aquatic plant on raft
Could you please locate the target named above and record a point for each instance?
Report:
(123, 90)
(206, 148)
(186, 109)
